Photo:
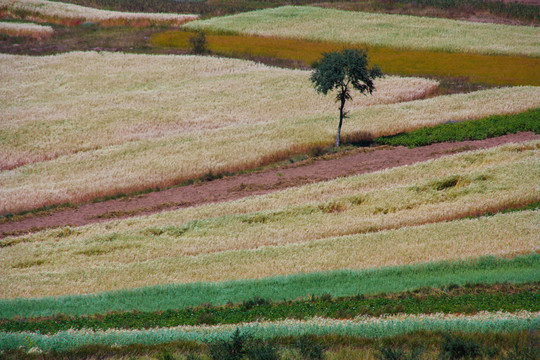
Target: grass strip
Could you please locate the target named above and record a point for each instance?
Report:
(451, 299)
(367, 327)
(487, 270)
(493, 126)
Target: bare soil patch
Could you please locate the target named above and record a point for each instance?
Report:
(358, 161)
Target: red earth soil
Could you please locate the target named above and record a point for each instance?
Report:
(359, 161)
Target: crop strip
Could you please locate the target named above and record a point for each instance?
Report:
(368, 327)
(68, 14)
(451, 299)
(26, 30)
(485, 270)
(520, 343)
(492, 126)
(494, 70)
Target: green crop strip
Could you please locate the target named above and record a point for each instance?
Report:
(361, 327)
(492, 126)
(451, 299)
(486, 270)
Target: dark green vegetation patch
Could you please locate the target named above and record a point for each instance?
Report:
(449, 299)
(489, 127)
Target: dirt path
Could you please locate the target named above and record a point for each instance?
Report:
(357, 162)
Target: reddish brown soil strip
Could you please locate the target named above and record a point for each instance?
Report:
(262, 182)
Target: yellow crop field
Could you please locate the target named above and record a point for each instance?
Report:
(155, 121)
(26, 29)
(380, 30)
(499, 70)
(70, 14)
(293, 230)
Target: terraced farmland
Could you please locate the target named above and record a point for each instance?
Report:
(410, 258)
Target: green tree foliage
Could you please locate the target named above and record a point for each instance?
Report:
(198, 43)
(343, 71)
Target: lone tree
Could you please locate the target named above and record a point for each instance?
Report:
(198, 43)
(341, 71)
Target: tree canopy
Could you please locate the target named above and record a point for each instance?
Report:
(342, 71)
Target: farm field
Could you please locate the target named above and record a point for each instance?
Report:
(365, 326)
(81, 101)
(367, 29)
(495, 70)
(522, 12)
(404, 45)
(225, 225)
(26, 29)
(124, 160)
(300, 223)
(69, 14)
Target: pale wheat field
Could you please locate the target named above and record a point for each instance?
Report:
(115, 98)
(26, 30)
(70, 14)
(324, 226)
(158, 129)
(381, 30)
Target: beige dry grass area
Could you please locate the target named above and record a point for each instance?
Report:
(113, 98)
(26, 30)
(295, 230)
(509, 234)
(164, 157)
(381, 30)
(71, 14)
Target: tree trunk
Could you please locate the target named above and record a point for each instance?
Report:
(340, 121)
